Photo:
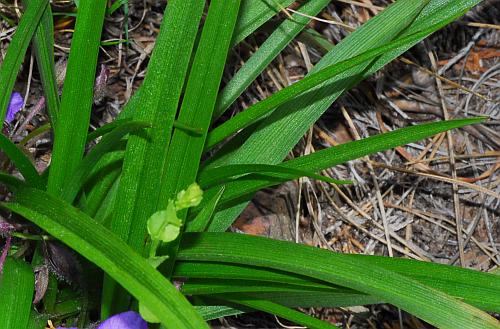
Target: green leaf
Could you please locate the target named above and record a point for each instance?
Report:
(105, 198)
(117, 4)
(105, 174)
(209, 312)
(283, 35)
(410, 295)
(77, 96)
(253, 14)
(157, 260)
(84, 169)
(210, 270)
(147, 315)
(286, 126)
(43, 43)
(17, 284)
(472, 287)
(146, 154)
(263, 108)
(185, 150)
(35, 132)
(281, 311)
(376, 32)
(333, 156)
(16, 51)
(231, 286)
(468, 285)
(101, 131)
(219, 175)
(11, 181)
(21, 161)
(37, 320)
(312, 298)
(202, 220)
(283, 294)
(160, 82)
(100, 246)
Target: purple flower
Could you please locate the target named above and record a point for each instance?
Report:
(15, 105)
(126, 320)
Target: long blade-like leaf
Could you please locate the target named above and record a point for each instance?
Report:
(217, 286)
(209, 312)
(77, 97)
(186, 148)
(279, 310)
(105, 129)
(315, 298)
(43, 43)
(263, 108)
(473, 287)
(210, 270)
(202, 219)
(109, 252)
(16, 292)
(283, 35)
(285, 129)
(376, 32)
(333, 156)
(81, 173)
(253, 14)
(408, 294)
(11, 181)
(220, 175)
(146, 154)
(105, 175)
(21, 161)
(16, 51)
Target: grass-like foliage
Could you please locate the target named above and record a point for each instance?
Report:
(129, 205)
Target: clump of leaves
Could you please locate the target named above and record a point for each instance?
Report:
(124, 206)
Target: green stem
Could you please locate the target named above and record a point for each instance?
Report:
(33, 237)
(154, 246)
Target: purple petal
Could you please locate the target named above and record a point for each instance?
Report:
(15, 105)
(126, 320)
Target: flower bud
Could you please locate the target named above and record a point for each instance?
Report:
(190, 197)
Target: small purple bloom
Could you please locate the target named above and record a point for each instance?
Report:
(126, 320)
(15, 105)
